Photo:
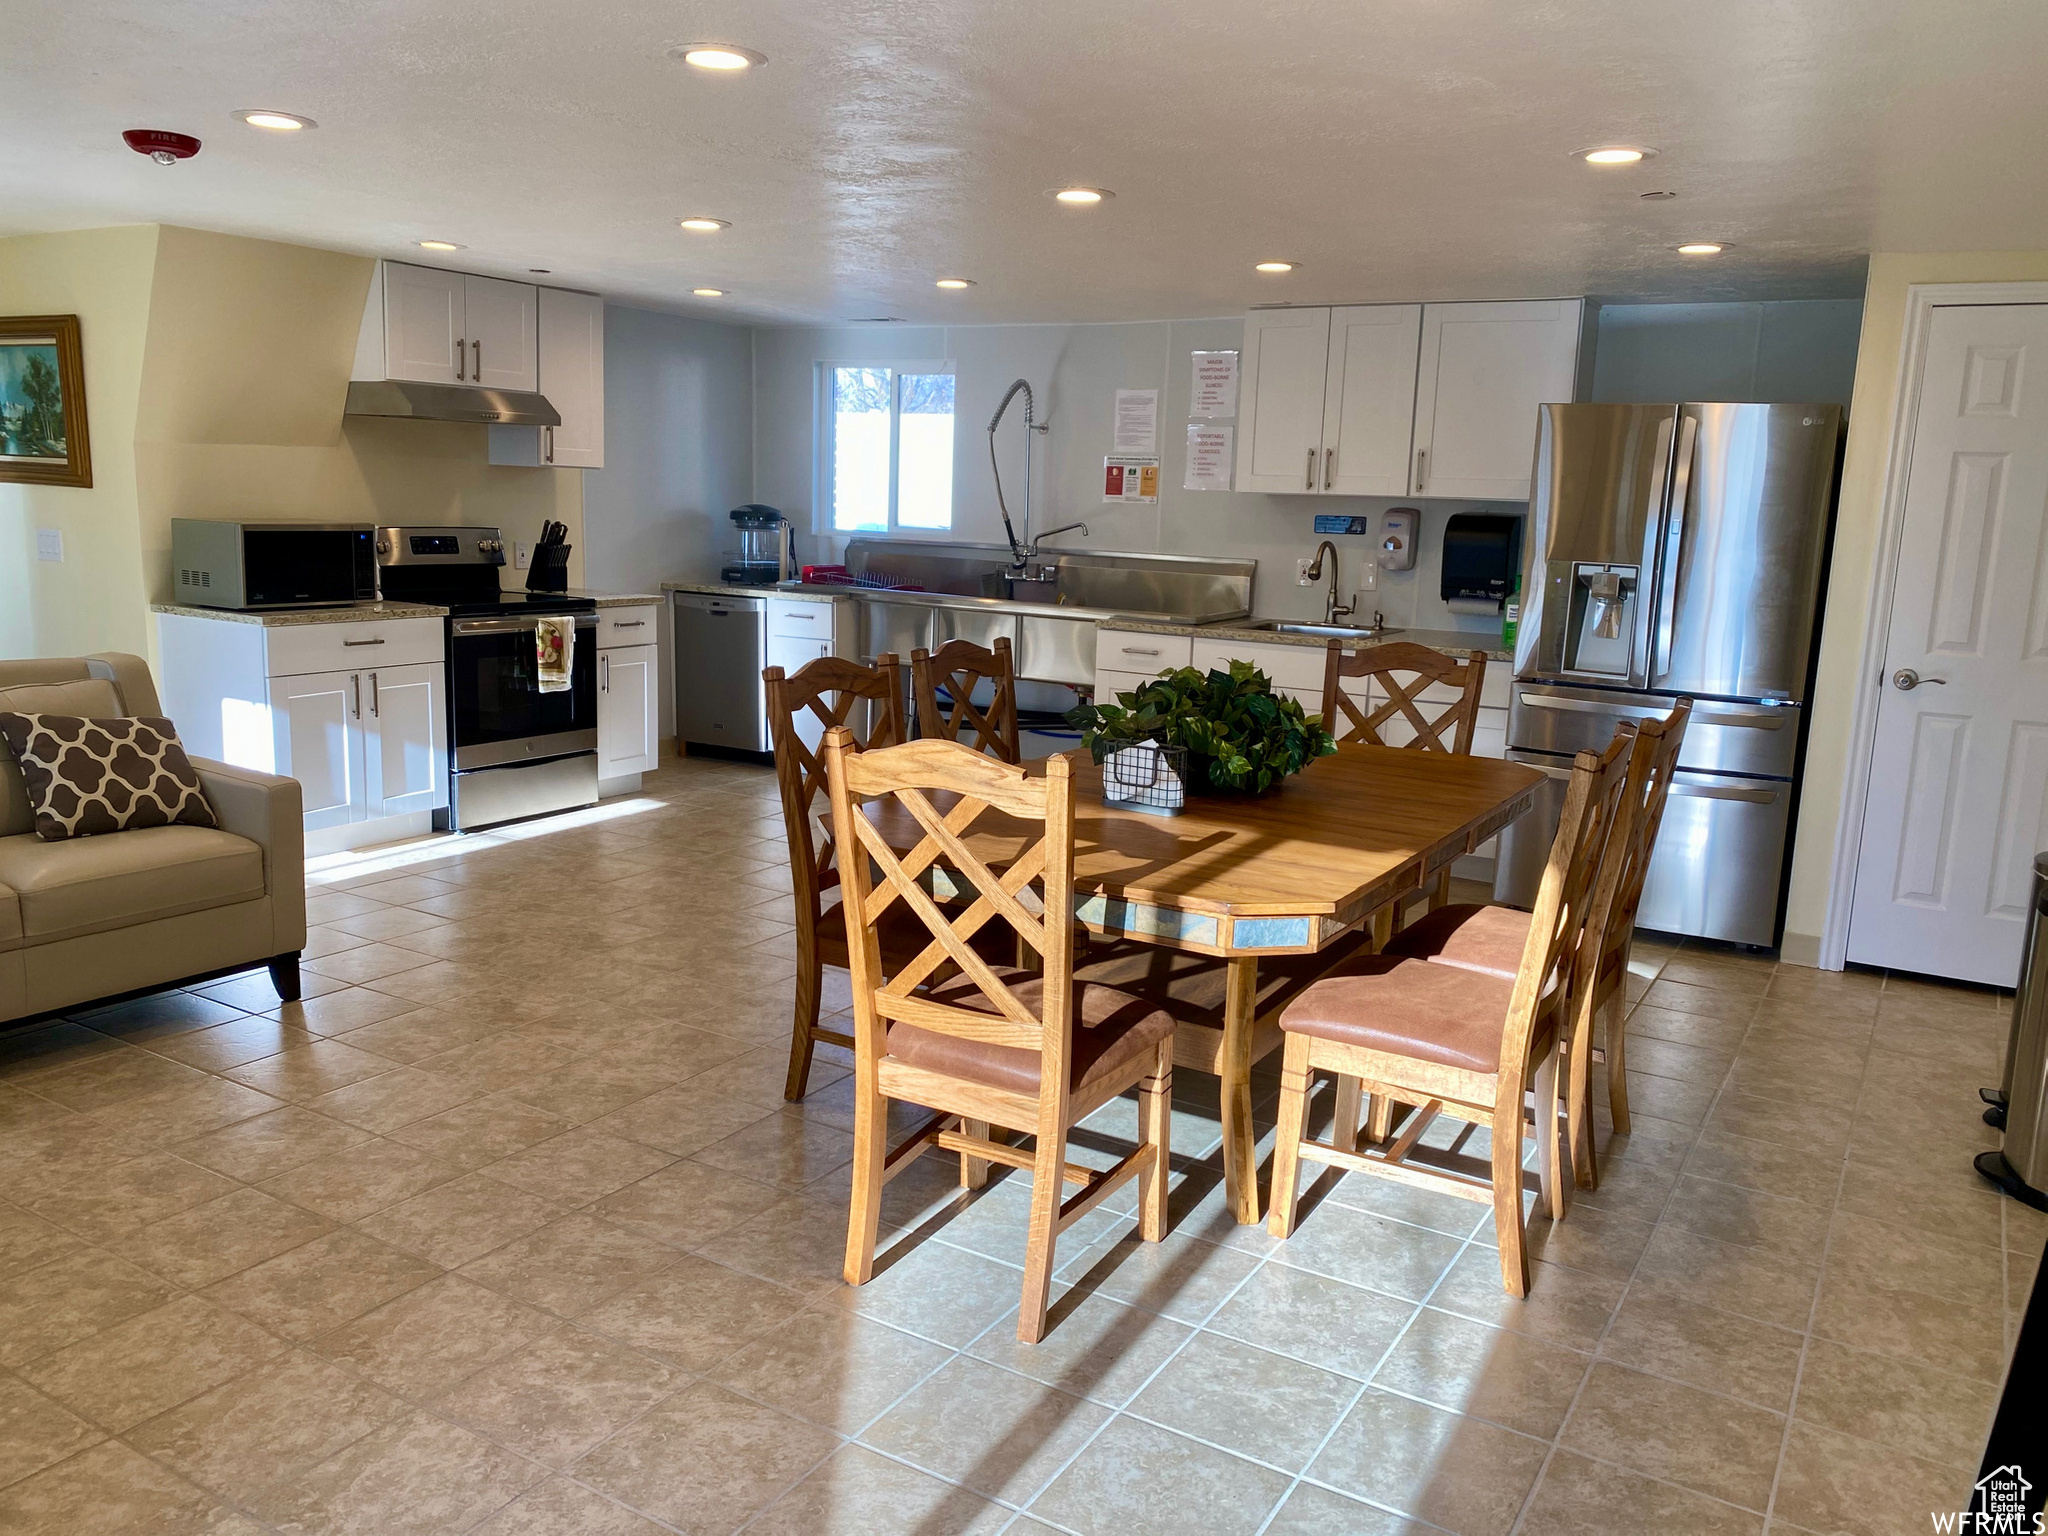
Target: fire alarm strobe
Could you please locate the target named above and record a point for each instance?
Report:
(161, 145)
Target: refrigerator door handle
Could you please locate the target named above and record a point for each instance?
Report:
(1724, 792)
(1674, 544)
(1746, 719)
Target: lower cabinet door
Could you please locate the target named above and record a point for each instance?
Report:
(628, 724)
(316, 729)
(405, 739)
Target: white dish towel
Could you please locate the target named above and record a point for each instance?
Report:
(554, 644)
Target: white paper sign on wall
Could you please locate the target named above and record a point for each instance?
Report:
(1214, 392)
(1208, 458)
(1127, 478)
(1137, 421)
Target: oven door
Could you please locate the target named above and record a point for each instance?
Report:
(498, 713)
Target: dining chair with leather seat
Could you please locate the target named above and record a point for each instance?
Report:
(1457, 1042)
(953, 672)
(1491, 939)
(1030, 1051)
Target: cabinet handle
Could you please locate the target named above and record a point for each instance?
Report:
(1421, 456)
(630, 624)
(604, 684)
(1135, 650)
(551, 445)
(355, 690)
(362, 642)
(373, 695)
(1329, 466)
(1308, 481)
(476, 368)
(461, 357)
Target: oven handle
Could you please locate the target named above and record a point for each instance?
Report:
(513, 626)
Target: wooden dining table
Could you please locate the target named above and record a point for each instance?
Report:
(1251, 877)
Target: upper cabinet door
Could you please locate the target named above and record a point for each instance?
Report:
(423, 330)
(1485, 368)
(502, 320)
(1280, 401)
(1369, 405)
(572, 377)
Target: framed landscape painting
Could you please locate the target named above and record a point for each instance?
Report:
(42, 401)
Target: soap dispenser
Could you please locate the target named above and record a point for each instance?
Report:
(1398, 527)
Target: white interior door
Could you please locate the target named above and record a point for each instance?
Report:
(423, 325)
(1959, 768)
(503, 322)
(1369, 404)
(405, 739)
(317, 730)
(1280, 413)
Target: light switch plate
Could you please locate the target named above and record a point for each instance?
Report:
(521, 554)
(1368, 575)
(1301, 575)
(50, 544)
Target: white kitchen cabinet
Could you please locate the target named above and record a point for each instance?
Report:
(1369, 399)
(405, 739)
(628, 714)
(437, 327)
(571, 375)
(316, 723)
(1284, 375)
(1484, 370)
(420, 317)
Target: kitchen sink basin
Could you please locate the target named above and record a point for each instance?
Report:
(1321, 631)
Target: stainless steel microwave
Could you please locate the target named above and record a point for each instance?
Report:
(272, 565)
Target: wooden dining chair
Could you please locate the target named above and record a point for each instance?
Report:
(958, 667)
(823, 695)
(1458, 1043)
(1403, 672)
(1034, 1051)
(1491, 939)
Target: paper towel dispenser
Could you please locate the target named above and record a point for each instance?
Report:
(1482, 552)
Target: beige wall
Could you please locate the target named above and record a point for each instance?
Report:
(228, 383)
(1828, 762)
(94, 600)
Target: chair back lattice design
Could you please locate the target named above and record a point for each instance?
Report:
(1651, 771)
(1554, 962)
(957, 666)
(821, 697)
(1033, 895)
(1349, 718)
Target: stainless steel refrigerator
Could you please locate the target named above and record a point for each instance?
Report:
(1675, 551)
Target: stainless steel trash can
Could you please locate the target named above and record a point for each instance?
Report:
(2021, 1168)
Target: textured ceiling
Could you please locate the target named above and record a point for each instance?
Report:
(1397, 149)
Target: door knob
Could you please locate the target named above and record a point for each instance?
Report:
(1906, 680)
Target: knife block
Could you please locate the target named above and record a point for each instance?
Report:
(548, 569)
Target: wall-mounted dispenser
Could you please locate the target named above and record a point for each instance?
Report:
(1398, 528)
(1482, 553)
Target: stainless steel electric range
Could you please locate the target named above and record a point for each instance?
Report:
(514, 749)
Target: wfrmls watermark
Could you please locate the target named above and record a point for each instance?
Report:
(1998, 1507)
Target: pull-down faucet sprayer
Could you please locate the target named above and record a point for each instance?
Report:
(1021, 554)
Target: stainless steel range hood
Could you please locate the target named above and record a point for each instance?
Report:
(450, 402)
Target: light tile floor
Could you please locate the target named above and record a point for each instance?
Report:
(506, 1228)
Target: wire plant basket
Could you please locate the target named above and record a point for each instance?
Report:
(1150, 777)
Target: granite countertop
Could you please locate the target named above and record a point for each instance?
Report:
(279, 618)
(1449, 640)
(801, 593)
(615, 599)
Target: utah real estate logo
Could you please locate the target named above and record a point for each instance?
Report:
(1998, 1506)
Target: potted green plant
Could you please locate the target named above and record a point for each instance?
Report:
(1240, 736)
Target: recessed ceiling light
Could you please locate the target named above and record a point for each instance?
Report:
(1274, 266)
(1701, 248)
(709, 293)
(437, 245)
(276, 122)
(1082, 197)
(956, 282)
(1656, 197)
(704, 226)
(722, 57)
(1614, 154)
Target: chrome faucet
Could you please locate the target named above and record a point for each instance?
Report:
(1332, 609)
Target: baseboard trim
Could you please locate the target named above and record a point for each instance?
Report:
(1800, 949)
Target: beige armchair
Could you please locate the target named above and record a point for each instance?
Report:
(95, 917)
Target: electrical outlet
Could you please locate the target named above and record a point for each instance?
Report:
(1301, 575)
(50, 544)
(521, 554)
(1368, 575)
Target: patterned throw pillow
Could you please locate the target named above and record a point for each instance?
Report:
(85, 776)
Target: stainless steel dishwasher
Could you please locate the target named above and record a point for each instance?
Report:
(720, 646)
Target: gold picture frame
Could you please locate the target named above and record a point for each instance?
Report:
(43, 437)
